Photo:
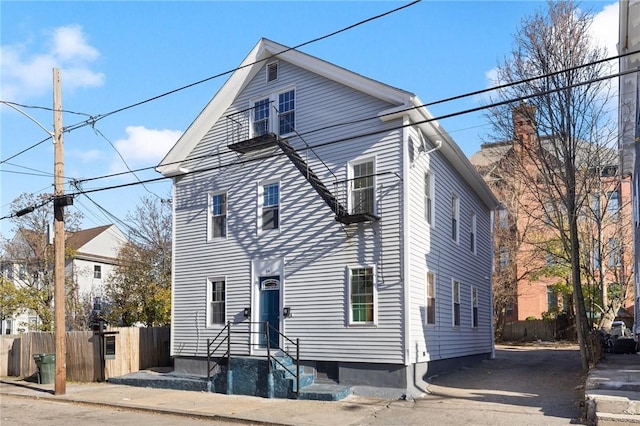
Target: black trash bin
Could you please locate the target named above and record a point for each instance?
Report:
(46, 364)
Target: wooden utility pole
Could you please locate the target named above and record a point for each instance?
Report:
(58, 213)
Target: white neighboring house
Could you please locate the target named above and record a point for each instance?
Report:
(93, 261)
(334, 208)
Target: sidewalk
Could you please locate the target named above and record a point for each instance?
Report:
(236, 408)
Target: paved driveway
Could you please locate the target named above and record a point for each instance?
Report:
(523, 385)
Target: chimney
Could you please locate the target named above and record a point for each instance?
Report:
(524, 125)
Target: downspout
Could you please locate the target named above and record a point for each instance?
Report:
(490, 279)
(405, 275)
(173, 268)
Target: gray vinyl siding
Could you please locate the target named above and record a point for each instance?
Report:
(317, 249)
(432, 249)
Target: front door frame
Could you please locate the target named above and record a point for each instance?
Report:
(265, 268)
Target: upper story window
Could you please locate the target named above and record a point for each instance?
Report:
(218, 215)
(217, 301)
(472, 234)
(455, 295)
(431, 298)
(428, 197)
(362, 296)
(474, 307)
(269, 206)
(503, 218)
(455, 218)
(613, 205)
(280, 105)
(287, 112)
(97, 272)
(504, 257)
(362, 197)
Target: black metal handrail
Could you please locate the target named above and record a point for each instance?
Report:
(296, 374)
(264, 329)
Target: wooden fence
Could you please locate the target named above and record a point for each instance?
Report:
(531, 330)
(135, 349)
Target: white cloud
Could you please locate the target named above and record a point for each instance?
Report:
(604, 28)
(87, 156)
(143, 147)
(26, 73)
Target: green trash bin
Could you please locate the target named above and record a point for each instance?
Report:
(46, 364)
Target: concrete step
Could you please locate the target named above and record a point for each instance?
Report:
(617, 402)
(324, 392)
(162, 381)
(609, 419)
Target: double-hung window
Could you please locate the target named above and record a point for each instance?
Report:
(363, 186)
(97, 272)
(455, 293)
(218, 215)
(431, 298)
(287, 112)
(217, 301)
(362, 295)
(474, 307)
(613, 205)
(269, 211)
(261, 124)
(455, 218)
(428, 197)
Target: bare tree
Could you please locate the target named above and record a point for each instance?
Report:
(30, 253)
(140, 288)
(561, 132)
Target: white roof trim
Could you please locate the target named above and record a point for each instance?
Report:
(264, 50)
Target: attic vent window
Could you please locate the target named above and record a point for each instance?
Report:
(272, 72)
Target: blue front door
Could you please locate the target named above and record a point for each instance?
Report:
(270, 310)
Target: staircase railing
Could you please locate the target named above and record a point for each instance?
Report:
(273, 360)
(265, 330)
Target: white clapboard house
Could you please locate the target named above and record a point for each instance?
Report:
(333, 207)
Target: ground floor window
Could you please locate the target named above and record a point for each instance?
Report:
(217, 301)
(362, 295)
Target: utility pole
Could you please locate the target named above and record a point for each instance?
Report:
(59, 249)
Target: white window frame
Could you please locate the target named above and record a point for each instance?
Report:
(260, 200)
(273, 124)
(455, 300)
(473, 234)
(455, 218)
(210, 216)
(351, 179)
(210, 301)
(97, 272)
(351, 321)
(430, 279)
(475, 312)
(429, 201)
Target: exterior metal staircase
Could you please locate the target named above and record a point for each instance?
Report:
(270, 139)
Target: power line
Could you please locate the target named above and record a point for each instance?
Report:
(420, 106)
(96, 118)
(25, 150)
(373, 133)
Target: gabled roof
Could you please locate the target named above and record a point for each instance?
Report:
(76, 240)
(406, 103)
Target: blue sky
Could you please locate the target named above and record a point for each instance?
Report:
(114, 54)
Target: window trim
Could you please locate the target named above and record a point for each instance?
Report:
(209, 311)
(260, 206)
(455, 300)
(429, 296)
(351, 178)
(350, 321)
(455, 218)
(268, 68)
(210, 216)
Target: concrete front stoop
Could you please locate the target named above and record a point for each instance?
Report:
(612, 391)
(249, 377)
